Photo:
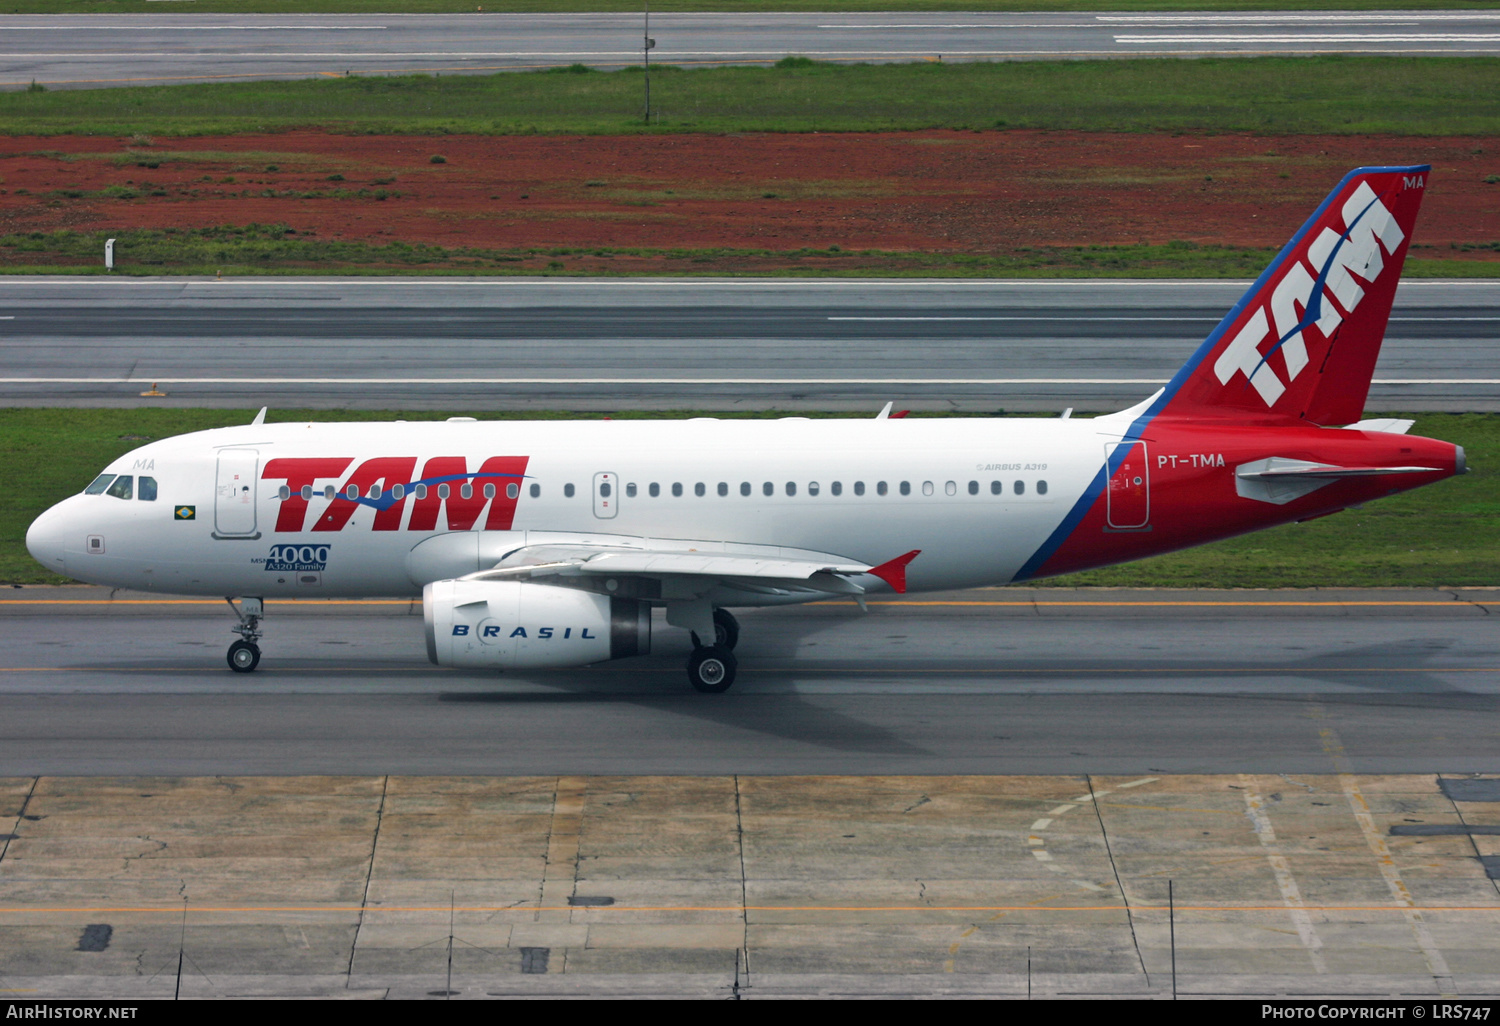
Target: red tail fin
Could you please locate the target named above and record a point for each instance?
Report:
(1303, 341)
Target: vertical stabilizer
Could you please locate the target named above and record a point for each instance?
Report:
(1302, 342)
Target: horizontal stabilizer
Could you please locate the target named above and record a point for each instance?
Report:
(1389, 426)
(1280, 479)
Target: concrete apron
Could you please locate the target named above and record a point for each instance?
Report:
(751, 886)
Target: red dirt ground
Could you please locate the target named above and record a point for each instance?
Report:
(934, 191)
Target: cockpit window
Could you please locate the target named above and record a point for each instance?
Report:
(100, 483)
(147, 490)
(121, 489)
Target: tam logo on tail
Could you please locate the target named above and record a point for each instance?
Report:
(1303, 340)
(1339, 260)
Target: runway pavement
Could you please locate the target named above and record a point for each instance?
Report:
(103, 50)
(597, 344)
(1005, 681)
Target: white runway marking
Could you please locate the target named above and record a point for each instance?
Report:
(1032, 317)
(1404, 17)
(196, 28)
(1351, 37)
(166, 380)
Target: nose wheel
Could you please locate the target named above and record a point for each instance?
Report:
(244, 655)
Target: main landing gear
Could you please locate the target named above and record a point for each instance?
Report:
(244, 655)
(711, 667)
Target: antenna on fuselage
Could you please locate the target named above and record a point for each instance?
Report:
(885, 412)
(260, 418)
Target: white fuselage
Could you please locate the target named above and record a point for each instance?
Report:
(976, 496)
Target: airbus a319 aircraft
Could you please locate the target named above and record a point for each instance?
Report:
(547, 544)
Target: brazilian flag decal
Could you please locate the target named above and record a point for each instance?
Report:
(185, 513)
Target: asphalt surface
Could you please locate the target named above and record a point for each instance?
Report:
(591, 344)
(1014, 681)
(104, 50)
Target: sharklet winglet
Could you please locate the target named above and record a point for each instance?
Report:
(893, 572)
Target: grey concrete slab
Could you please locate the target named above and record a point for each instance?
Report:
(1053, 886)
(661, 343)
(1010, 680)
(103, 50)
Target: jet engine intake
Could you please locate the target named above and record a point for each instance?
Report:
(519, 625)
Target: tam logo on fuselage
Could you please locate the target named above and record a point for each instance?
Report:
(1332, 263)
(388, 487)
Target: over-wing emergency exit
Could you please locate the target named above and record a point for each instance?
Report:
(549, 544)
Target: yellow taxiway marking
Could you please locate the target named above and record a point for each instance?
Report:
(201, 602)
(176, 910)
(1207, 604)
(855, 671)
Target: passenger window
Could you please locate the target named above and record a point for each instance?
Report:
(768, 488)
(812, 488)
(512, 491)
(398, 492)
(420, 492)
(1020, 488)
(950, 488)
(997, 487)
(973, 487)
(146, 489)
(283, 493)
(880, 488)
(655, 489)
(905, 487)
(352, 491)
(568, 491)
(859, 488)
(926, 487)
(744, 487)
(629, 491)
(99, 484)
(307, 493)
(489, 490)
(466, 490)
(837, 488)
(1041, 487)
(374, 493)
(699, 490)
(676, 489)
(536, 490)
(444, 491)
(121, 489)
(791, 487)
(723, 487)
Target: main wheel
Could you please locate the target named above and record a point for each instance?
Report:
(711, 670)
(243, 657)
(726, 629)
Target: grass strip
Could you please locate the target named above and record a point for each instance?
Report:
(1323, 94)
(257, 249)
(707, 6)
(1444, 534)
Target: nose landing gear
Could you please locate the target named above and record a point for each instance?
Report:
(244, 655)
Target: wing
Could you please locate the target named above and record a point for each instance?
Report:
(755, 569)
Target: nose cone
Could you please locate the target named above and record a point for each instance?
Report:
(45, 539)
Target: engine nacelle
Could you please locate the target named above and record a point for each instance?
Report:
(516, 625)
